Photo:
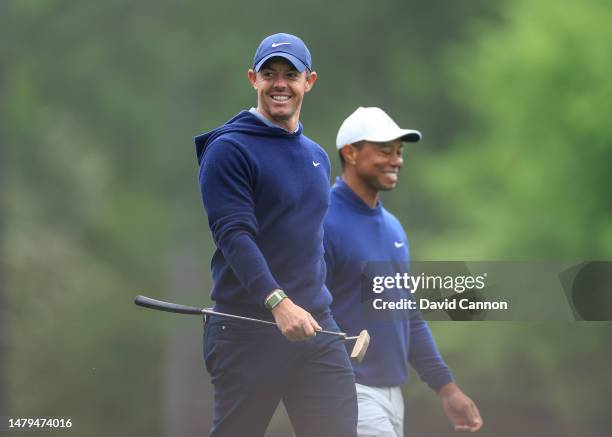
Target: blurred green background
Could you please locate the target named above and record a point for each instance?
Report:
(99, 201)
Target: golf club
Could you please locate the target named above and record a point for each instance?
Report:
(357, 353)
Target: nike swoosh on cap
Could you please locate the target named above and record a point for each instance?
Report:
(276, 44)
(398, 245)
(316, 164)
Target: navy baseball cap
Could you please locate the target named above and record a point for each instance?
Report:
(286, 46)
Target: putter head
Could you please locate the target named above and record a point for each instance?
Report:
(361, 346)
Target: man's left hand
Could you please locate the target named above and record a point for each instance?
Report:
(460, 409)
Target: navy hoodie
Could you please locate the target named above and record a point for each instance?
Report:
(265, 192)
(356, 234)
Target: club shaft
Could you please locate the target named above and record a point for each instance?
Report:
(161, 305)
(210, 312)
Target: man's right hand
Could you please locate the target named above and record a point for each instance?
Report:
(294, 322)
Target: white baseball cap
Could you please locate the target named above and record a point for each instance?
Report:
(372, 124)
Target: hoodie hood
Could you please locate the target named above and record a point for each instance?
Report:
(243, 122)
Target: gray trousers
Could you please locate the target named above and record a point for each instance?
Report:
(381, 411)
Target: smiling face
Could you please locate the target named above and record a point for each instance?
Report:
(372, 167)
(280, 91)
(378, 164)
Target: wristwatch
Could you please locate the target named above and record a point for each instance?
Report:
(274, 298)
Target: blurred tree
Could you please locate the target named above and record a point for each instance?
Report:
(4, 334)
(529, 177)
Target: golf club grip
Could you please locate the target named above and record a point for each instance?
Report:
(160, 305)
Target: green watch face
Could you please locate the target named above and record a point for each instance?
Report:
(275, 298)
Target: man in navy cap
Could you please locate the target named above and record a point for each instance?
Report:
(265, 189)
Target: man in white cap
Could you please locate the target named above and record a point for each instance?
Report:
(358, 232)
